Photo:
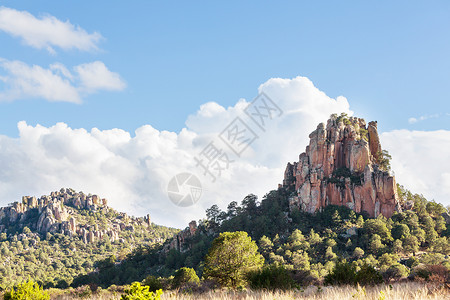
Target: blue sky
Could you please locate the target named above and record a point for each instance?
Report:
(390, 59)
(138, 69)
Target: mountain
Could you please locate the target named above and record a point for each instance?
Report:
(343, 165)
(60, 236)
(339, 201)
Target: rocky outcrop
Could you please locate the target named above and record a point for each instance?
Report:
(59, 213)
(340, 167)
(180, 241)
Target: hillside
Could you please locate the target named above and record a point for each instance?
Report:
(62, 235)
(339, 201)
(400, 231)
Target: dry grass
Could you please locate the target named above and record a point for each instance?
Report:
(406, 290)
(395, 291)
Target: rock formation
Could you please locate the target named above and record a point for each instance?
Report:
(343, 165)
(180, 241)
(59, 213)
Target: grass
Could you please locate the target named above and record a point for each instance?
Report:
(405, 290)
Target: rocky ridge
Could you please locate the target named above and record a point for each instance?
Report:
(343, 165)
(59, 212)
(179, 241)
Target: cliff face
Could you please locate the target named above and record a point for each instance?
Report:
(342, 166)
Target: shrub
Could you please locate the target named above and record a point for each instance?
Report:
(395, 272)
(368, 276)
(412, 262)
(437, 273)
(28, 290)
(342, 273)
(272, 277)
(184, 276)
(153, 283)
(138, 292)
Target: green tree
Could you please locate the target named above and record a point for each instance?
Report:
(265, 245)
(342, 273)
(360, 221)
(329, 254)
(185, 275)
(400, 231)
(314, 238)
(231, 256)
(397, 247)
(336, 219)
(378, 226)
(300, 260)
(384, 160)
(440, 224)
(358, 253)
(375, 244)
(295, 240)
(411, 245)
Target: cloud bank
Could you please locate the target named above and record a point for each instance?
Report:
(420, 160)
(56, 83)
(132, 170)
(46, 32)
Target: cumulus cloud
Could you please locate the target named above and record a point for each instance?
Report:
(133, 169)
(420, 160)
(56, 83)
(96, 76)
(47, 31)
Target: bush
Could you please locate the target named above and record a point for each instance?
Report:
(138, 292)
(153, 283)
(395, 272)
(184, 276)
(342, 273)
(412, 262)
(368, 276)
(28, 290)
(272, 277)
(434, 273)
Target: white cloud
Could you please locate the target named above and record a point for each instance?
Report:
(47, 31)
(413, 120)
(420, 160)
(96, 76)
(56, 83)
(133, 171)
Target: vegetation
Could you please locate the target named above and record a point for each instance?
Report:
(138, 292)
(384, 160)
(260, 244)
(184, 276)
(231, 256)
(271, 277)
(340, 174)
(56, 259)
(28, 290)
